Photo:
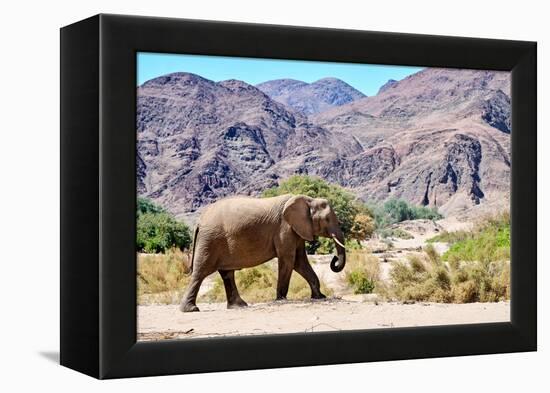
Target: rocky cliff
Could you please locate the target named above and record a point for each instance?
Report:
(448, 131)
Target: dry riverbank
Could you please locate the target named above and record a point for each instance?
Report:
(158, 322)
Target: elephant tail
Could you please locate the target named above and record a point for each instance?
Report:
(195, 236)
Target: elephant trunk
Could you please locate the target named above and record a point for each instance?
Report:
(338, 262)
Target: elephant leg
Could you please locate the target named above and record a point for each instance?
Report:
(188, 303)
(305, 270)
(201, 269)
(286, 265)
(234, 300)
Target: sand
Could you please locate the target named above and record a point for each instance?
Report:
(157, 322)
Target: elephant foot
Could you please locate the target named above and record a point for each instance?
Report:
(189, 308)
(237, 304)
(318, 296)
(280, 298)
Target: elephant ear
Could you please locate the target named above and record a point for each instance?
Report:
(296, 212)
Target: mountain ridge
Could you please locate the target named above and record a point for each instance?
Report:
(200, 140)
(436, 138)
(310, 98)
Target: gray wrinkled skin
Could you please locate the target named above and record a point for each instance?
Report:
(243, 232)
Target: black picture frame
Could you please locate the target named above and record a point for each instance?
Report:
(98, 192)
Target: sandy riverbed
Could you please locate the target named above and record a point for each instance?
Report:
(158, 322)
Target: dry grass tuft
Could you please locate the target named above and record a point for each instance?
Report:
(259, 284)
(161, 278)
(417, 264)
(432, 254)
(426, 278)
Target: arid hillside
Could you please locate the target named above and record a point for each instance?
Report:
(438, 138)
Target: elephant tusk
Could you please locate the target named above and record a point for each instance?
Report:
(337, 241)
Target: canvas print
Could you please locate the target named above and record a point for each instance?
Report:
(282, 196)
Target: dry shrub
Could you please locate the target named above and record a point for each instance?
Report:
(441, 278)
(161, 278)
(440, 295)
(465, 292)
(426, 278)
(416, 264)
(451, 237)
(419, 280)
(454, 262)
(432, 254)
(401, 272)
(425, 291)
(459, 275)
(492, 220)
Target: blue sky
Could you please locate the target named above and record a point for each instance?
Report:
(365, 77)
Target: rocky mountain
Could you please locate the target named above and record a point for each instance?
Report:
(199, 140)
(310, 98)
(439, 138)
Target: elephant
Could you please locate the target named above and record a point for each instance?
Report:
(242, 232)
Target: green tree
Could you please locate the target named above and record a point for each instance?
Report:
(397, 210)
(345, 205)
(158, 230)
(342, 202)
(145, 205)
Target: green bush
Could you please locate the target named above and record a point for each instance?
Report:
(360, 282)
(363, 272)
(398, 210)
(488, 241)
(144, 205)
(326, 246)
(158, 230)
